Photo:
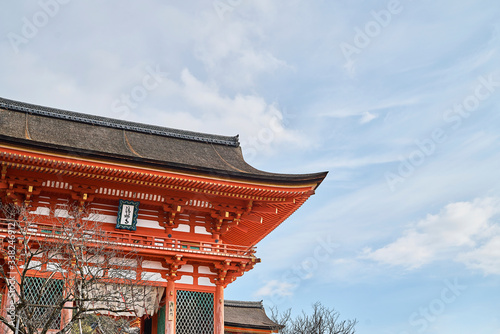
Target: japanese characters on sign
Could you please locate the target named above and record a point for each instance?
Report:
(127, 215)
(171, 311)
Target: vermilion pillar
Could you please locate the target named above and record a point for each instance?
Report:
(219, 309)
(170, 308)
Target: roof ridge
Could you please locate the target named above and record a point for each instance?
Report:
(241, 303)
(118, 124)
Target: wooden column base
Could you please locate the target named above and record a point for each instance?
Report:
(219, 309)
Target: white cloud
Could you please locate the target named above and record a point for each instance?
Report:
(486, 258)
(367, 117)
(259, 123)
(467, 228)
(276, 288)
(228, 47)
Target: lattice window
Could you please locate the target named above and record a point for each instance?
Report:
(195, 312)
(41, 294)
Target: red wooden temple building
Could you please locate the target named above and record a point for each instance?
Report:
(199, 208)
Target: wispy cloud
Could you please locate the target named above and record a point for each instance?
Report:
(366, 107)
(276, 288)
(367, 117)
(461, 231)
(351, 162)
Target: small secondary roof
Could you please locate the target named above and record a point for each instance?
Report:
(245, 314)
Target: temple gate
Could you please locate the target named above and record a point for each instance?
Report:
(187, 203)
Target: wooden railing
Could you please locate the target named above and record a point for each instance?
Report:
(124, 239)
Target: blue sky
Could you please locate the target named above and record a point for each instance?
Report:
(398, 100)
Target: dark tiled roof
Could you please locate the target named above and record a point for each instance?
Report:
(71, 133)
(117, 124)
(245, 314)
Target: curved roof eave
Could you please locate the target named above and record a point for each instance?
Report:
(263, 177)
(80, 135)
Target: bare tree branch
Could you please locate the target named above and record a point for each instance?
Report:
(322, 321)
